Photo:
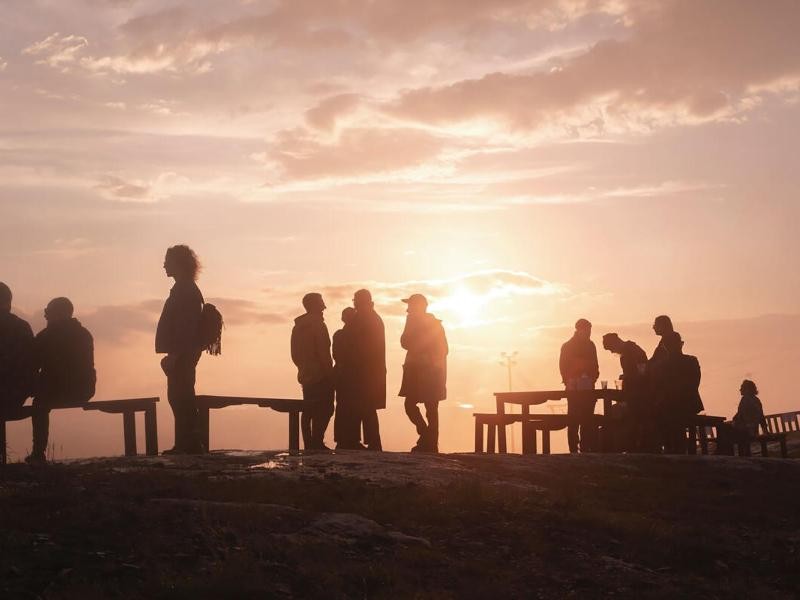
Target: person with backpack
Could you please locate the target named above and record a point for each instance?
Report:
(178, 335)
(424, 372)
(63, 362)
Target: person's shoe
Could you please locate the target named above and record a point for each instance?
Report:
(174, 451)
(36, 458)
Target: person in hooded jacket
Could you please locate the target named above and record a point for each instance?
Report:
(311, 354)
(63, 360)
(177, 336)
(16, 356)
(424, 371)
(347, 422)
(745, 423)
(370, 351)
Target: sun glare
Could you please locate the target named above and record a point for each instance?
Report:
(464, 306)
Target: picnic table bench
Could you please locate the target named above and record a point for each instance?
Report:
(531, 423)
(778, 427)
(127, 407)
(293, 407)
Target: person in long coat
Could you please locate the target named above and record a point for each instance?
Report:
(16, 356)
(347, 422)
(424, 371)
(370, 345)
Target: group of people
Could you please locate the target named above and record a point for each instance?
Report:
(55, 367)
(346, 376)
(660, 394)
(350, 372)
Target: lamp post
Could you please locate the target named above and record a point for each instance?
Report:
(508, 361)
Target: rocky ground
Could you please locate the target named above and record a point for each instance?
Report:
(363, 525)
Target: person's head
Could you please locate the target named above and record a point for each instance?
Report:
(417, 304)
(57, 310)
(181, 262)
(362, 300)
(613, 343)
(583, 328)
(748, 388)
(313, 303)
(663, 325)
(348, 314)
(5, 298)
(673, 343)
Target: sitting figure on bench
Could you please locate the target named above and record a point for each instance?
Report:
(63, 360)
(16, 350)
(745, 423)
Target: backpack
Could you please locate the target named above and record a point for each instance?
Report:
(210, 334)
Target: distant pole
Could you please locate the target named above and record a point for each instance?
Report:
(508, 361)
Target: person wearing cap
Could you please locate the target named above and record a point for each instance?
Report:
(16, 356)
(579, 371)
(424, 371)
(347, 422)
(370, 351)
(311, 353)
(633, 361)
(63, 360)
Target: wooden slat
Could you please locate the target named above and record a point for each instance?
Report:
(119, 406)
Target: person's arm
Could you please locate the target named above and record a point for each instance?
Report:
(595, 364)
(563, 362)
(295, 347)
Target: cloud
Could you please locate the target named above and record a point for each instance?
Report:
(352, 152)
(57, 50)
(324, 115)
(681, 62)
(70, 248)
(117, 188)
(3, 64)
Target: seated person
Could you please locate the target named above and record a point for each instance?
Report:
(63, 359)
(746, 421)
(16, 348)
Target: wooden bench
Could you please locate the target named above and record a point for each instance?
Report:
(531, 423)
(127, 408)
(291, 406)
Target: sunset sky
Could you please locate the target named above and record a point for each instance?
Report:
(522, 163)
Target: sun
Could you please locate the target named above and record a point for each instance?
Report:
(464, 306)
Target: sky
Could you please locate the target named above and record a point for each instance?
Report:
(523, 163)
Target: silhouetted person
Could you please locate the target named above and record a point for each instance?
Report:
(744, 426)
(347, 423)
(679, 400)
(63, 359)
(662, 326)
(579, 371)
(311, 353)
(177, 336)
(424, 371)
(370, 346)
(632, 412)
(16, 356)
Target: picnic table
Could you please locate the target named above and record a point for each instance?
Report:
(549, 421)
(293, 407)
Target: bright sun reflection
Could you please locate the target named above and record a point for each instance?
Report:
(464, 306)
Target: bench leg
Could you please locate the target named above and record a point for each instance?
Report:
(703, 440)
(764, 451)
(2, 442)
(501, 438)
(129, 432)
(545, 441)
(294, 432)
(691, 442)
(478, 436)
(784, 453)
(151, 431)
(203, 424)
(526, 438)
(490, 445)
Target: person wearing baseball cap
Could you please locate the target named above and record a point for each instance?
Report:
(311, 353)
(424, 371)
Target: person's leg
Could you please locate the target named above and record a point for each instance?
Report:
(415, 416)
(307, 417)
(572, 427)
(372, 431)
(432, 434)
(40, 424)
(323, 413)
(588, 430)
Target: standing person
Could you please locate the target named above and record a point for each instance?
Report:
(16, 356)
(680, 398)
(633, 411)
(63, 359)
(177, 336)
(424, 371)
(370, 343)
(662, 326)
(311, 353)
(579, 371)
(347, 422)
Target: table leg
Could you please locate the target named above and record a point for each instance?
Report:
(129, 432)
(545, 441)
(294, 432)
(490, 445)
(501, 437)
(526, 434)
(703, 439)
(478, 436)
(691, 441)
(151, 431)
